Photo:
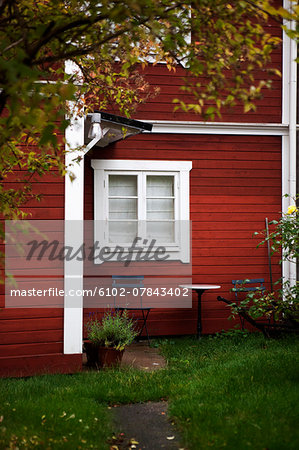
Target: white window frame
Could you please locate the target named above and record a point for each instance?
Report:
(180, 250)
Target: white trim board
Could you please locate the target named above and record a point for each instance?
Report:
(128, 164)
(194, 127)
(73, 233)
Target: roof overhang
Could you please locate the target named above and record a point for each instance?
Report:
(102, 129)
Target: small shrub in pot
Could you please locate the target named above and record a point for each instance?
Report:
(110, 336)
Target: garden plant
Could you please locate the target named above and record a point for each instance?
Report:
(281, 305)
(233, 390)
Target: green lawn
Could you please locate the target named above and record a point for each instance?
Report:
(231, 392)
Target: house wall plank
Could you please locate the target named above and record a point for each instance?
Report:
(235, 183)
(28, 333)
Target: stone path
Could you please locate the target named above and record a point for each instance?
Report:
(145, 426)
(141, 356)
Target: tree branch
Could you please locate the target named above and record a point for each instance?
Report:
(89, 21)
(86, 50)
(9, 47)
(255, 6)
(246, 316)
(62, 29)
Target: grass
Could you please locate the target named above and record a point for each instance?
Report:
(225, 392)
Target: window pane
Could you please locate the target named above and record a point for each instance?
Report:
(163, 232)
(123, 185)
(160, 208)
(122, 232)
(122, 208)
(160, 186)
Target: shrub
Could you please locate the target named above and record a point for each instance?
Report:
(116, 330)
(282, 304)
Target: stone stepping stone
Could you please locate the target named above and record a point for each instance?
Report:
(141, 356)
(145, 426)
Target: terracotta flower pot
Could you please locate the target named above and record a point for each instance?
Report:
(109, 357)
(91, 351)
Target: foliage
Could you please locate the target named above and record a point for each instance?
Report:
(116, 330)
(221, 393)
(232, 333)
(283, 303)
(285, 237)
(108, 41)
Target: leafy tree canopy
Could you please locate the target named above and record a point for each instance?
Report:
(107, 40)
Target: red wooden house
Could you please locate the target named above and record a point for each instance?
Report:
(225, 176)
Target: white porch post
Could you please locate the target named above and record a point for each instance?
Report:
(73, 234)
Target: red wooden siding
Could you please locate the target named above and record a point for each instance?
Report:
(31, 340)
(235, 183)
(161, 107)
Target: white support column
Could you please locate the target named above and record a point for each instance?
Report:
(73, 234)
(293, 137)
(285, 188)
(289, 142)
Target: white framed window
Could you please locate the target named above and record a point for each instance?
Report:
(144, 199)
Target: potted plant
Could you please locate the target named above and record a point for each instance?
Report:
(108, 338)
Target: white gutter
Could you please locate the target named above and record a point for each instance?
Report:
(223, 128)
